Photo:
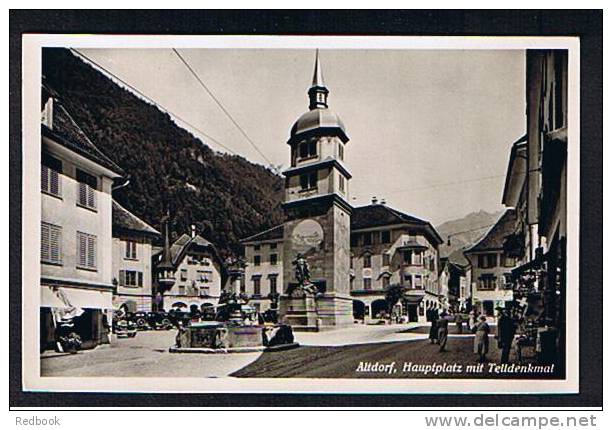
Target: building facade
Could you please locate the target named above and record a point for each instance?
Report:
(390, 247)
(536, 185)
(492, 268)
(456, 280)
(387, 247)
(132, 261)
(263, 278)
(199, 274)
(76, 228)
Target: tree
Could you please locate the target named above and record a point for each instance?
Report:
(393, 294)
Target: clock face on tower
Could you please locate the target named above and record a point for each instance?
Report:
(306, 236)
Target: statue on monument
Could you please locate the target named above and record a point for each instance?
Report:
(302, 275)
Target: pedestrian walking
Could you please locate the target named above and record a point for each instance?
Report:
(481, 339)
(459, 322)
(505, 335)
(433, 329)
(443, 330)
(472, 320)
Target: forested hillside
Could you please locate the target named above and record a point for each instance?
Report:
(225, 196)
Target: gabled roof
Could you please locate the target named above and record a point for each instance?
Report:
(181, 245)
(493, 240)
(124, 220)
(379, 215)
(65, 131)
(274, 233)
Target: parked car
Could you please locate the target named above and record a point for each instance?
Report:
(159, 321)
(140, 319)
(125, 328)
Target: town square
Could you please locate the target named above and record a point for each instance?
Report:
(386, 246)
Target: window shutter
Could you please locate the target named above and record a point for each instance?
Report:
(87, 189)
(55, 239)
(91, 197)
(91, 251)
(82, 249)
(122, 277)
(44, 242)
(140, 279)
(82, 194)
(54, 182)
(44, 178)
(50, 174)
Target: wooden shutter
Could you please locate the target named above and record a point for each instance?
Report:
(50, 174)
(91, 251)
(82, 194)
(87, 189)
(82, 249)
(55, 240)
(51, 243)
(44, 178)
(91, 197)
(122, 277)
(44, 242)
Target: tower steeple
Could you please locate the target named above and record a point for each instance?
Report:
(318, 91)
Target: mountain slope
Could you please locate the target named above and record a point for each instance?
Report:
(465, 231)
(225, 196)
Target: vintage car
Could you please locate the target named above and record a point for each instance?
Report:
(159, 321)
(125, 328)
(140, 319)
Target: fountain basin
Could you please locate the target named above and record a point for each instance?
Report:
(221, 337)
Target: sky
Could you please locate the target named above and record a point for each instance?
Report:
(430, 131)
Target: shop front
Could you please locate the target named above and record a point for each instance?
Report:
(539, 289)
(89, 310)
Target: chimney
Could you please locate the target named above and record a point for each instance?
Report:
(383, 201)
(374, 200)
(193, 231)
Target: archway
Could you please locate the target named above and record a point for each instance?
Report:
(379, 308)
(358, 309)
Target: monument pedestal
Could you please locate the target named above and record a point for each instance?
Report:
(334, 311)
(299, 312)
(325, 312)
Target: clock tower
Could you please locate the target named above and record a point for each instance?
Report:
(318, 215)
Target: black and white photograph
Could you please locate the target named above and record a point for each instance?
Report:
(257, 211)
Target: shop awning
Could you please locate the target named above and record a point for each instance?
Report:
(59, 297)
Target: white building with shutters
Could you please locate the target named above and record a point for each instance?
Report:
(76, 227)
(132, 261)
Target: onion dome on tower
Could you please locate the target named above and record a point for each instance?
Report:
(319, 115)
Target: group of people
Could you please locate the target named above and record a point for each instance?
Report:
(476, 324)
